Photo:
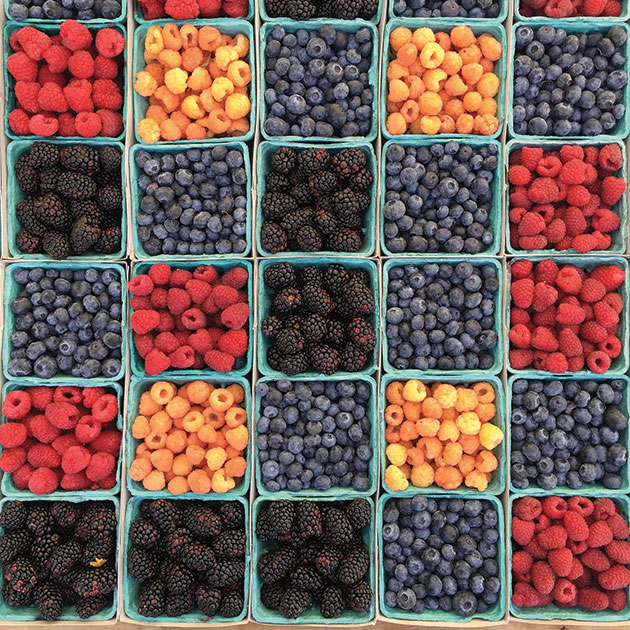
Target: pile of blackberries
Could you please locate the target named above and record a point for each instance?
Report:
(312, 435)
(193, 202)
(338, 9)
(74, 201)
(315, 200)
(56, 554)
(568, 433)
(315, 555)
(189, 556)
(320, 318)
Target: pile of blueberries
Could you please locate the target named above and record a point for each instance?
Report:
(440, 555)
(316, 82)
(568, 433)
(441, 316)
(448, 8)
(67, 322)
(312, 435)
(64, 9)
(569, 84)
(438, 198)
(193, 202)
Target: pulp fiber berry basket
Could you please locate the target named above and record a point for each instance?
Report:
(503, 11)
(265, 152)
(10, 293)
(618, 365)
(264, 307)
(131, 588)
(25, 614)
(497, 485)
(619, 242)
(136, 196)
(552, 612)
(140, 385)
(140, 19)
(496, 613)
(479, 27)
(137, 362)
(312, 616)
(345, 26)
(122, 18)
(336, 491)
(15, 195)
(228, 26)
(496, 204)
(8, 487)
(475, 261)
(589, 489)
(576, 25)
(9, 82)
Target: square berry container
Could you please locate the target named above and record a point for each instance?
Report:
(15, 195)
(10, 293)
(136, 361)
(491, 27)
(140, 385)
(10, 102)
(475, 261)
(618, 365)
(140, 19)
(137, 194)
(265, 152)
(229, 26)
(8, 487)
(495, 615)
(619, 237)
(16, 616)
(504, 6)
(590, 489)
(312, 616)
(131, 588)
(335, 491)
(575, 25)
(552, 613)
(496, 205)
(497, 485)
(346, 26)
(264, 305)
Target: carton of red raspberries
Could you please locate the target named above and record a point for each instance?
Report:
(570, 197)
(568, 318)
(67, 81)
(192, 9)
(570, 8)
(570, 553)
(190, 317)
(60, 438)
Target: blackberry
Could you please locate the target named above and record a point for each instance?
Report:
(197, 556)
(363, 199)
(293, 364)
(353, 358)
(101, 519)
(49, 600)
(26, 174)
(271, 326)
(336, 277)
(164, 514)
(230, 544)
(275, 359)
(12, 544)
(324, 359)
(279, 276)
(359, 597)
(21, 574)
(360, 275)
(202, 521)
(44, 154)
(276, 205)
(287, 301)
(27, 243)
(348, 9)
(313, 160)
(109, 241)
(323, 183)
(141, 564)
(52, 211)
(308, 519)
(12, 597)
(359, 513)
(88, 606)
(354, 565)
(316, 299)
(326, 221)
(294, 222)
(232, 604)
(314, 328)
(208, 600)
(42, 548)
(349, 161)
(95, 581)
(361, 181)
(273, 238)
(359, 297)
(25, 214)
(56, 245)
(289, 341)
(306, 579)
(281, 515)
(350, 220)
(38, 520)
(302, 193)
(360, 333)
(284, 160)
(311, 274)
(275, 182)
(63, 557)
(80, 157)
(345, 240)
(85, 207)
(48, 179)
(13, 516)
(337, 528)
(332, 603)
(327, 560)
(110, 159)
(144, 534)
(176, 540)
(335, 333)
(275, 565)
(110, 199)
(152, 599)
(76, 186)
(225, 573)
(298, 9)
(294, 602)
(179, 580)
(270, 595)
(66, 514)
(308, 550)
(232, 514)
(309, 239)
(370, 7)
(294, 322)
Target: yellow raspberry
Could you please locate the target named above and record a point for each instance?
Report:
(395, 479)
(224, 55)
(221, 88)
(221, 483)
(191, 106)
(154, 41)
(396, 454)
(490, 436)
(215, 458)
(145, 84)
(148, 130)
(422, 475)
(446, 395)
(175, 80)
(414, 391)
(468, 423)
(477, 480)
(237, 106)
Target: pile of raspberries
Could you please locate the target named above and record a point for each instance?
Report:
(563, 317)
(190, 320)
(570, 8)
(570, 552)
(60, 437)
(70, 84)
(191, 9)
(564, 199)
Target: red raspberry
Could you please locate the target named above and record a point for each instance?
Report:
(519, 316)
(524, 595)
(577, 570)
(570, 343)
(43, 481)
(182, 358)
(554, 507)
(592, 290)
(160, 273)
(585, 243)
(615, 301)
(611, 346)
(522, 292)
(549, 166)
(543, 190)
(105, 408)
(544, 339)
(561, 561)
(574, 221)
(106, 95)
(544, 296)
(531, 224)
(140, 303)
(236, 277)
(617, 599)
(62, 415)
(143, 344)
(178, 300)
(64, 442)
(234, 342)
(26, 93)
(43, 456)
(57, 58)
(105, 68)
(541, 523)
(569, 280)
(595, 559)
(556, 362)
(22, 475)
(568, 314)
(75, 481)
(519, 175)
(109, 42)
(605, 314)
(598, 362)
(81, 64)
(101, 465)
(599, 534)
(564, 591)
(224, 296)
(141, 285)
(12, 434)
(612, 190)
(581, 505)
(522, 531)
(555, 231)
(194, 319)
(51, 97)
(74, 35)
(618, 551)
(235, 316)
(610, 276)
(179, 278)
(519, 198)
(167, 322)
(527, 508)
(573, 172)
(79, 98)
(605, 220)
(530, 156)
(12, 459)
(182, 9)
(520, 336)
(546, 271)
(219, 361)
(111, 123)
(154, 10)
(16, 404)
(591, 181)
(612, 9)
(559, 8)
(521, 562)
(578, 195)
(610, 157)
(88, 124)
(87, 429)
(543, 577)
(107, 442)
(198, 290)
(166, 342)
(571, 152)
(144, 321)
(18, 121)
(520, 359)
(233, 8)
(159, 298)
(592, 8)
(156, 362)
(618, 527)
(592, 331)
(618, 576)
(33, 42)
(532, 243)
(22, 67)
(43, 431)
